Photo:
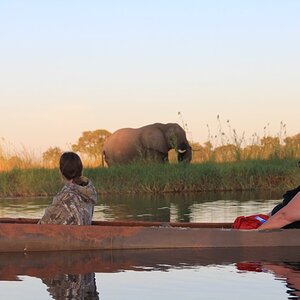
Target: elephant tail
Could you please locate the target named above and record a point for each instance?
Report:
(102, 159)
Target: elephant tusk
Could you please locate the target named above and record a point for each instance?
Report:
(181, 151)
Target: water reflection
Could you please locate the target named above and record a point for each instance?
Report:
(67, 275)
(71, 275)
(196, 207)
(70, 286)
(287, 272)
(190, 207)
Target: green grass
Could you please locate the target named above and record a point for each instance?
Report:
(161, 178)
(29, 182)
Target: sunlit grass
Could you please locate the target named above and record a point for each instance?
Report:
(226, 145)
(226, 162)
(255, 175)
(10, 158)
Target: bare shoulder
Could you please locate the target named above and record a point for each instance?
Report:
(294, 203)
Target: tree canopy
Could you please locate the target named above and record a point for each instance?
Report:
(91, 143)
(51, 157)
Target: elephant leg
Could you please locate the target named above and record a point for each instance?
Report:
(154, 155)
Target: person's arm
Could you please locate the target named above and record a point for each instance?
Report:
(288, 214)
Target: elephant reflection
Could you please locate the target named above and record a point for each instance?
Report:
(150, 143)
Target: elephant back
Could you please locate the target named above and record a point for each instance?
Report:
(121, 147)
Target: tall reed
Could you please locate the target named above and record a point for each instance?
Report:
(226, 145)
(246, 175)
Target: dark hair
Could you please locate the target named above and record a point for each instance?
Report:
(70, 165)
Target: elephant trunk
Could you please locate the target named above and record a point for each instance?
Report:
(184, 153)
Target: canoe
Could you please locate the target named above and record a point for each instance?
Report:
(24, 235)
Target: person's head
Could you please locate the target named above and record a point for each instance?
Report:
(70, 165)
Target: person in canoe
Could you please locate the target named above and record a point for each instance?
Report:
(74, 204)
(286, 214)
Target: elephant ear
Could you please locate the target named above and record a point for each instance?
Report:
(154, 138)
(176, 137)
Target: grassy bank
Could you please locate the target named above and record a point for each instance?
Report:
(156, 178)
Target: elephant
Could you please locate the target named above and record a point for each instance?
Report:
(148, 143)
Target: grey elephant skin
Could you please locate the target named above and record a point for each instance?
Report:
(147, 143)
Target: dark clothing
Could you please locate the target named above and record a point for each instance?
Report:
(73, 205)
(287, 197)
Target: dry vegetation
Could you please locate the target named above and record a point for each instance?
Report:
(224, 146)
(224, 162)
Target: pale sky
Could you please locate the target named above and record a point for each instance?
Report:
(71, 66)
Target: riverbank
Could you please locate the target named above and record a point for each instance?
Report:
(161, 178)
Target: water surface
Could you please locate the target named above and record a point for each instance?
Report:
(152, 274)
(156, 274)
(195, 207)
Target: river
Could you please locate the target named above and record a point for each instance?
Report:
(155, 274)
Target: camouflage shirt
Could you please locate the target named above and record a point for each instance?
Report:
(73, 205)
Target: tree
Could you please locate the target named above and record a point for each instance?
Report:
(271, 147)
(51, 157)
(91, 143)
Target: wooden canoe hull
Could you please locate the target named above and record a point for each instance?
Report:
(26, 237)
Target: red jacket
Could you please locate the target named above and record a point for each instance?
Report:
(249, 222)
